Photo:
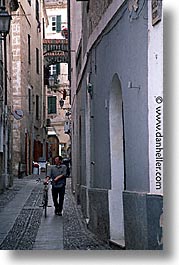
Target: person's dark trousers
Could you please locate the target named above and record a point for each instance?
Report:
(58, 198)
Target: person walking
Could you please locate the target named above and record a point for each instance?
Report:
(57, 174)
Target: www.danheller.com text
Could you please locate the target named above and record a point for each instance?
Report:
(159, 148)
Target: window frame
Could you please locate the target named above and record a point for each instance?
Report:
(52, 109)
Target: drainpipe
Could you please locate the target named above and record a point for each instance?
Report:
(6, 112)
(69, 45)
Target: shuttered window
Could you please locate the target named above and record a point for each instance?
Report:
(52, 108)
(57, 69)
(58, 24)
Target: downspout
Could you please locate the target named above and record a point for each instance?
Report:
(69, 46)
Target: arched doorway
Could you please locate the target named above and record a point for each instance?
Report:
(117, 161)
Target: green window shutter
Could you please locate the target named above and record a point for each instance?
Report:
(59, 22)
(57, 69)
(52, 105)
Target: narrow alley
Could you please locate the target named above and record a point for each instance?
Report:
(81, 84)
(24, 227)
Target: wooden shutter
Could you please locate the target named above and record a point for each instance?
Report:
(52, 105)
(57, 69)
(58, 20)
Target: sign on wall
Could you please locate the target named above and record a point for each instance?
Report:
(55, 51)
(155, 97)
(50, 45)
(156, 11)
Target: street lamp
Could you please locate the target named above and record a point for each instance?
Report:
(61, 101)
(5, 19)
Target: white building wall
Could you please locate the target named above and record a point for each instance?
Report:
(52, 12)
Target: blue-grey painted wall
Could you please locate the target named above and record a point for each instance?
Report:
(122, 49)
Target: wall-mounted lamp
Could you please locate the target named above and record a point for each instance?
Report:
(61, 102)
(90, 89)
(89, 85)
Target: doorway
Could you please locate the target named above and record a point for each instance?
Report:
(117, 161)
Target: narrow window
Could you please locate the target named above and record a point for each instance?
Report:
(30, 100)
(37, 10)
(29, 55)
(52, 108)
(37, 60)
(53, 23)
(37, 107)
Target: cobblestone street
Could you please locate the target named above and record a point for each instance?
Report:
(76, 235)
(24, 227)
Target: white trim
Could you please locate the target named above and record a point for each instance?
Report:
(108, 15)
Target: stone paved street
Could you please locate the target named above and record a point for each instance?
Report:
(76, 234)
(24, 227)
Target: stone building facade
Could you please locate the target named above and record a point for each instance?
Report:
(27, 82)
(58, 131)
(6, 102)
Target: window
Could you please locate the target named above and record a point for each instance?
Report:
(46, 75)
(52, 108)
(30, 99)
(37, 10)
(37, 60)
(43, 27)
(56, 23)
(29, 55)
(37, 107)
(53, 23)
(54, 69)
